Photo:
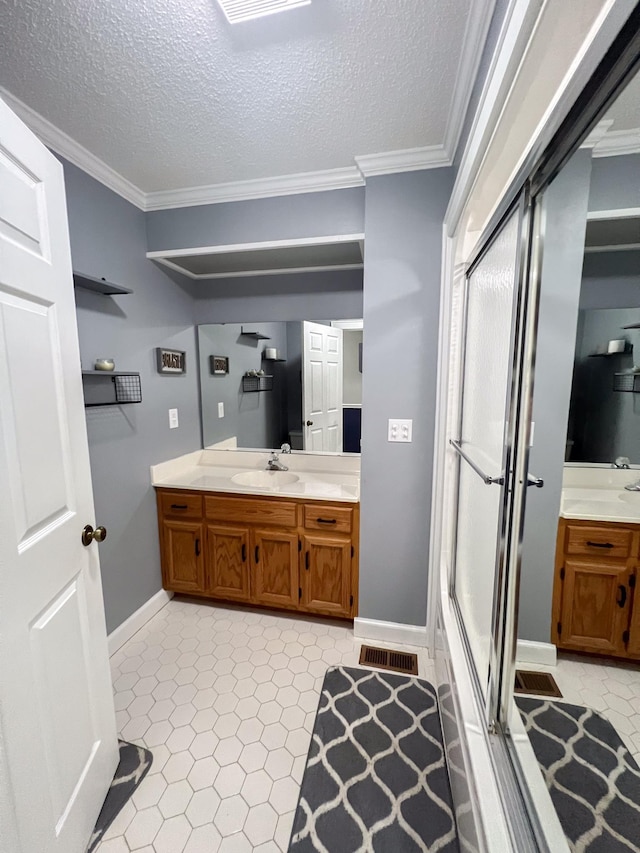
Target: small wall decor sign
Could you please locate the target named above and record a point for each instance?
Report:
(219, 364)
(171, 360)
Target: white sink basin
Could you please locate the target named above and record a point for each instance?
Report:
(630, 497)
(265, 479)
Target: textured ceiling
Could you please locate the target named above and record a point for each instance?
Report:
(625, 110)
(169, 95)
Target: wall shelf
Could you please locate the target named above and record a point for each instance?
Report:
(99, 285)
(256, 336)
(632, 326)
(110, 387)
(257, 383)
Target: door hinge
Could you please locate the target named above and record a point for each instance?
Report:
(632, 581)
(299, 592)
(351, 601)
(562, 573)
(625, 637)
(559, 627)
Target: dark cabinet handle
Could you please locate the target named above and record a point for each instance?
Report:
(179, 506)
(622, 600)
(326, 521)
(257, 554)
(600, 544)
(197, 547)
(244, 553)
(306, 560)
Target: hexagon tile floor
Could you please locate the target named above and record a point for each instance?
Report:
(225, 698)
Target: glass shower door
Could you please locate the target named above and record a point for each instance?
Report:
(493, 308)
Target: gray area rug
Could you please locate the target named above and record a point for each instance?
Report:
(376, 778)
(134, 765)
(593, 780)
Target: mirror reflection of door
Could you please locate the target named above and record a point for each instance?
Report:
(322, 377)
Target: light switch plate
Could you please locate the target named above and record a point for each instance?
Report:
(400, 430)
(173, 419)
(220, 410)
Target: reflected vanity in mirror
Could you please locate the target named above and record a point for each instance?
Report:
(264, 384)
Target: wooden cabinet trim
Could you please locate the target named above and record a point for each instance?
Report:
(261, 511)
(180, 504)
(328, 518)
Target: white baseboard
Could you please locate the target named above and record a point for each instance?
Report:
(542, 654)
(390, 632)
(119, 636)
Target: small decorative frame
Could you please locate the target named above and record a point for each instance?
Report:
(219, 364)
(172, 361)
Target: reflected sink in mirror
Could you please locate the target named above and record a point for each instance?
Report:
(264, 479)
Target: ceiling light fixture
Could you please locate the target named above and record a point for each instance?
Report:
(236, 11)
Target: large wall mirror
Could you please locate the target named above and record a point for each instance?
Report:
(264, 384)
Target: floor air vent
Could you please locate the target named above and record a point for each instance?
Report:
(540, 683)
(389, 659)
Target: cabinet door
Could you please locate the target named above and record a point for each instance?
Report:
(326, 575)
(227, 562)
(183, 561)
(275, 568)
(595, 607)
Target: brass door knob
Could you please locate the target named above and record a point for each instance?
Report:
(89, 534)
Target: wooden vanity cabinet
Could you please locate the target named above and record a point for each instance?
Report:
(276, 552)
(594, 600)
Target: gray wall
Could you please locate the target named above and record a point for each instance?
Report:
(614, 182)
(352, 377)
(605, 423)
(255, 418)
(286, 217)
(610, 280)
(297, 296)
(566, 214)
(108, 239)
(403, 219)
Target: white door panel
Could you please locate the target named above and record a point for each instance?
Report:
(58, 741)
(322, 380)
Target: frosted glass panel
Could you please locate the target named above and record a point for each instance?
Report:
(487, 360)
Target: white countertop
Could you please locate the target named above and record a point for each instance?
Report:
(599, 494)
(326, 477)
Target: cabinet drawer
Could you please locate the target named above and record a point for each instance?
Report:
(250, 511)
(336, 519)
(181, 504)
(603, 541)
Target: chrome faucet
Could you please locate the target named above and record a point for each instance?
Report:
(274, 464)
(621, 462)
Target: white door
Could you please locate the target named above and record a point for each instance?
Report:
(322, 387)
(58, 743)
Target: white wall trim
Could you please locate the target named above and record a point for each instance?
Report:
(541, 654)
(616, 213)
(390, 632)
(119, 636)
(71, 150)
(406, 160)
(305, 182)
(475, 35)
(615, 143)
(597, 134)
(287, 243)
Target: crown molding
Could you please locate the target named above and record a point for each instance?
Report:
(406, 160)
(597, 134)
(615, 143)
(473, 42)
(306, 182)
(71, 150)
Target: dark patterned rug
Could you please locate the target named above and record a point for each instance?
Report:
(134, 765)
(376, 778)
(593, 780)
